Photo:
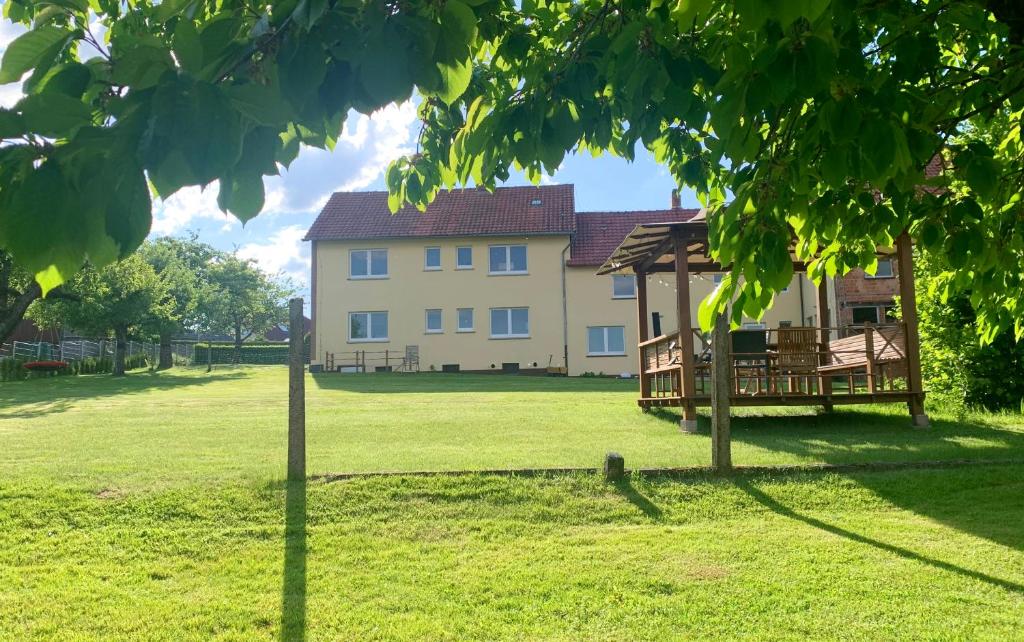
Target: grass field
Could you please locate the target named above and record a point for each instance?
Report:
(153, 508)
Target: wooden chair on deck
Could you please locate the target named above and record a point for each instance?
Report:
(797, 359)
(750, 360)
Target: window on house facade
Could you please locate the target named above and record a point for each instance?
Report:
(750, 325)
(463, 258)
(884, 270)
(606, 340)
(432, 258)
(864, 314)
(510, 323)
(623, 286)
(507, 259)
(367, 326)
(434, 322)
(368, 264)
(465, 319)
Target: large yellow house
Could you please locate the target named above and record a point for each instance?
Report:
(481, 281)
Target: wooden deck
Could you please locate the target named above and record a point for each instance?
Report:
(865, 364)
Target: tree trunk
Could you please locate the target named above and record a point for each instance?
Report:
(238, 343)
(120, 345)
(209, 356)
(13, 315)
(166, 353)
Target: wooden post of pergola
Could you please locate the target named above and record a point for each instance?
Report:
(686, 366)
(908, 304)
(824, 321)
(642, 332)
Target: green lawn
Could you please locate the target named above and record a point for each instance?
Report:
(172, 427)
(153, 508)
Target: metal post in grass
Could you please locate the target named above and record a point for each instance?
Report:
(721, 446)
(296, 393)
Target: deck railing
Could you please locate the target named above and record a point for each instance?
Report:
(868, 359)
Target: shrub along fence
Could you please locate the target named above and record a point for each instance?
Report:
(249, 354)
(13, 368)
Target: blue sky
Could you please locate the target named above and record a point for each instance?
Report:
(367, 145)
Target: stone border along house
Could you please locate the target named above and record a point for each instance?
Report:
(505, 281)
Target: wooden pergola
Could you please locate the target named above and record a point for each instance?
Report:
(851, 365)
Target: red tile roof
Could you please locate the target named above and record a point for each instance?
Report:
(461, 212)
(599, 233)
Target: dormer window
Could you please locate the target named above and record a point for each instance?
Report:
(535, 202)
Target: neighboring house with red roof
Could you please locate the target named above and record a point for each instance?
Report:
(486, 281)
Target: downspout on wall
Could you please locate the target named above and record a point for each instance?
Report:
(565, 313)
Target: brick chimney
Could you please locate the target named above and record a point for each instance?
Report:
(676, 204)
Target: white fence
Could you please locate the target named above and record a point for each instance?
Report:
(76, 349)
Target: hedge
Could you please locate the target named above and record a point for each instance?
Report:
(250, 353)
(13, 369)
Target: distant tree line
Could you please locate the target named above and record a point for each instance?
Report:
(167, 288)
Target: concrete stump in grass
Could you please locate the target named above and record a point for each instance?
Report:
(614, 467)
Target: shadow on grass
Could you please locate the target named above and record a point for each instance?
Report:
(437, 382)
(865, 434)
(780, 509)
(40, 397)
(293, 585)
(638, 499)
(848, 436)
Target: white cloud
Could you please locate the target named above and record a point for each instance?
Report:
(186, 207)
(357, 138)
(391, 136)
(11, 92)
(366, 146)
(283, 253)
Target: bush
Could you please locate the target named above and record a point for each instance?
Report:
(250, 353)
(12, 369)
(959, 373)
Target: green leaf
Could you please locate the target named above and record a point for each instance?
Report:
(262, 104)
(71, 79)
(686, 12)
(242, 195)
(454, 80)
(54, 114)
(29, 50)
(188, 48)
(12, 125)
(754, 13)
(384, 72)
(458, 24)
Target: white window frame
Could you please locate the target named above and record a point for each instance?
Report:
(458, 320)
(426, 321)
(369, 264)
(464, 266)
(427, 267)
(890, 275)
(508, 259)
(510, 335)
(755, 325)
(624, 276)
(369, 327)
(604, 334)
